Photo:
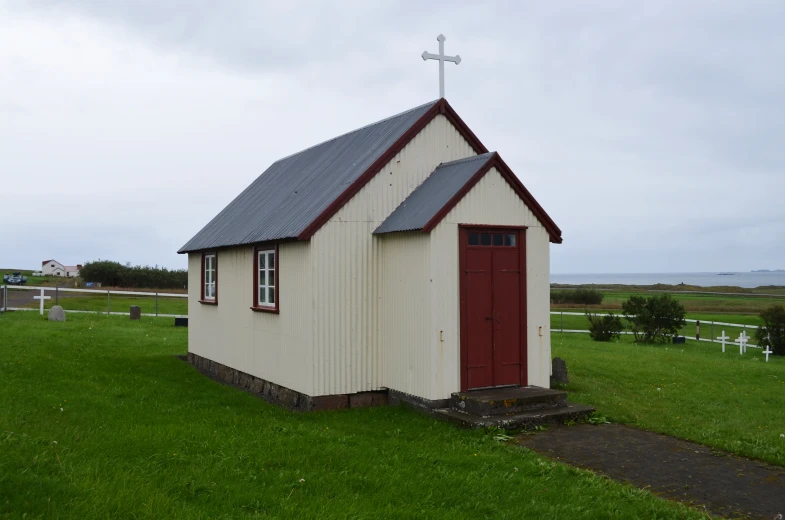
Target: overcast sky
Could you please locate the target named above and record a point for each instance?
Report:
(652, 132)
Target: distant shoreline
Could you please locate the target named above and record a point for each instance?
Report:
(745, 280)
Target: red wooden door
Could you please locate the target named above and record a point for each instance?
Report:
(493, 307)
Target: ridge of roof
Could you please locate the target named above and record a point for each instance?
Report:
(297, 194)
(471, 158)
(434, 194)
(449, 182)
(346, 134)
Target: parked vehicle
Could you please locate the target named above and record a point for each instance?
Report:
(14, 279)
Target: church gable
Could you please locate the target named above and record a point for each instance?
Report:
(447, 185)
(297, 195)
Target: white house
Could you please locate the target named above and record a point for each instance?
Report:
(55, 268)
(400, 259)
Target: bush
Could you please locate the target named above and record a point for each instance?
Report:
(653, 319)
(604, 328)
(577, 296)
(772, 333)
(115, 274)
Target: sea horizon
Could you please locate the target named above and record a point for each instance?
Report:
(747, 280)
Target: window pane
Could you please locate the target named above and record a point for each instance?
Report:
(509, 240)
(474, 239)
(261, 261)
(485, 239)
(271, 260)
(271, 294)
(262, 278)
(498, 240)
(262, 295)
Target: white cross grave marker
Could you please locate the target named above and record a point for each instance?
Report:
(442, 58)
(742, 341)
(42, 298)
(768, 349)
(723, 338)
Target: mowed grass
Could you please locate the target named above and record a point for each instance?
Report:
(98, 419)
(692, 391)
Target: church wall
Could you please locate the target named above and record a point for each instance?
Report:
(406, 326)
(274, 347)
(492, 202)
(348, 273)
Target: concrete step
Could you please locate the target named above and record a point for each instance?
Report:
(507, 401)
(567, 412)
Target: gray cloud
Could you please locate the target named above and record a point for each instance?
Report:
(652, 132)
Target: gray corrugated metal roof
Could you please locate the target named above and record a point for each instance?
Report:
(295, 190)
(433, 194)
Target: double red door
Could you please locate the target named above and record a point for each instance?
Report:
(493, 307)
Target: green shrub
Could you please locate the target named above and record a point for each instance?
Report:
(772, 333)
(653, 319)
(577, 296)
(115, 274)
(604, 328)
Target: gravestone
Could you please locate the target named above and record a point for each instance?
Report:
(559, 372)
(56, 313)
(181, 322)
(136, 312)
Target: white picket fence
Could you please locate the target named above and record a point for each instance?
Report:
(707, 323)
(5, 290)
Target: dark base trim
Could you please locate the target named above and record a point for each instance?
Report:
(280, 395)
(418, 403)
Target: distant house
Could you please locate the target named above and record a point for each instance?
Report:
(55, 268)
(403, 257)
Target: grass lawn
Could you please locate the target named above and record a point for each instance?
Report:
(692, 391)
(98, 419)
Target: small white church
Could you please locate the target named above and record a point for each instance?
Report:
(402, 260)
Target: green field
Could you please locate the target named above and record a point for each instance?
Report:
(561, 322)
(741, 301)
(98, 419)
(97, 302)
(691, 391)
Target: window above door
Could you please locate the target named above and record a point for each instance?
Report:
(489, 239)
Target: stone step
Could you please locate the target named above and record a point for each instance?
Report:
(507, 401)
(567, 412)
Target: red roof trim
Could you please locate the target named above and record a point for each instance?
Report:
(515, 183)
(440, 107)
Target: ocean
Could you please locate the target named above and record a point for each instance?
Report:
(747, 280)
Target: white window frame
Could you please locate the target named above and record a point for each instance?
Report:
(265, 281)
(210, 282)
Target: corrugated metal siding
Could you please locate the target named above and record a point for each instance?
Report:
(433, 194)
(491, 202)
(292, 192)
(405, 329)
(347, 266)
(276, 347)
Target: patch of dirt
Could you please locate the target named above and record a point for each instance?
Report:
(725, 484)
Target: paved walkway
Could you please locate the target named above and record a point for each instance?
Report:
(672, 468)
